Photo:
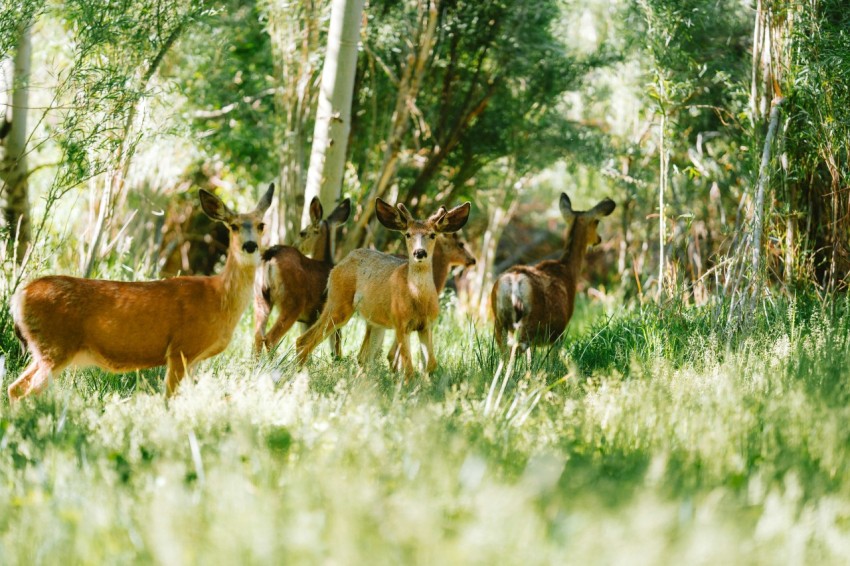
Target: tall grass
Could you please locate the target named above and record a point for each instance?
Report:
(655, 438)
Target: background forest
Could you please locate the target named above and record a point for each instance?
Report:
(663, 106)
(695, 411)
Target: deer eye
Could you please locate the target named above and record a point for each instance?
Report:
(261, 226)
(460, 245)
(432, 235)
(407, 235)
(234, 227)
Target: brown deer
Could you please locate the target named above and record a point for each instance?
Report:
(121, 326)
(295, 283)
(536, 303)
(388, 291)
(449, 252)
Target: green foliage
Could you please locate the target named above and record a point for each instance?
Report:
(738, 438)
(818, 114)
(226, 73)
(117, 49)
(493, 89)
(12, 14)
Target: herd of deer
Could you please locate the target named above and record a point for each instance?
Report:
(120, 326)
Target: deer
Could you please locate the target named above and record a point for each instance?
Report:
(450, 251)
(294, 283)
(534, 304)
(387, 291)
(122, 325)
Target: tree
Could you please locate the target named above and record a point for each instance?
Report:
(473, 82)
(14, 170)
(333, 114)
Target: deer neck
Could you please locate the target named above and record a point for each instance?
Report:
(237, 281)
(420, 279)
(572, 259)
(322, 248)
(440, 266)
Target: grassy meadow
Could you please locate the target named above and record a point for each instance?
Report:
(647, 436)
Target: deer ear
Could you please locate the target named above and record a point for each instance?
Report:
(214, 207)
(604, 208)
(405, 213)
(455, 219)
(266, 201)
(566, 207)
(341, 212)
(438, 216)
(389, 216)
(316, 210)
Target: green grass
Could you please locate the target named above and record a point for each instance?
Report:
(657, 436)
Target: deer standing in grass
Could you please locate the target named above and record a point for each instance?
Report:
(535, 303)
(450, 251)
(122, 326)
(295, 283)
(387, 291)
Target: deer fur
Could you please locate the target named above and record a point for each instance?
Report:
(449, 252)
(294, 283)
(122, 326)
(388, 291)
(535, 303)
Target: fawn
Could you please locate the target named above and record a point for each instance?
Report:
(121, 326)
(295, 283)
(536, 302)
(450, 251)
(388, 291)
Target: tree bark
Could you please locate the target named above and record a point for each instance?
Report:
(14, 170)
(762, 182)
(294, 30)
(333, 115)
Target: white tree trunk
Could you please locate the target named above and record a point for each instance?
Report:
(333, 115)
(14, 170)
(764, 173)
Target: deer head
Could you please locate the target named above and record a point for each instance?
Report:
(315, 237)
(245, 229)
(583, 223)
(420, 235)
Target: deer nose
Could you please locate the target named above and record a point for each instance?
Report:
(250, 247)
(420, 253)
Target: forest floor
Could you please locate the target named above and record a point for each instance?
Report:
(649, 436)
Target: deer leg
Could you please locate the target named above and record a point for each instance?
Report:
(501, 338)
(174, 373)
(20, 386)
(362, 355)
(262, 311)
(333, 317)
(42, 378)
(373, 341)
(425, 339)
(33, 379)
(392, 355)
(281, 326)
(336, 344)
(404, 360)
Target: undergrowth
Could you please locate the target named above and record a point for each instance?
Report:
(652, 434)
